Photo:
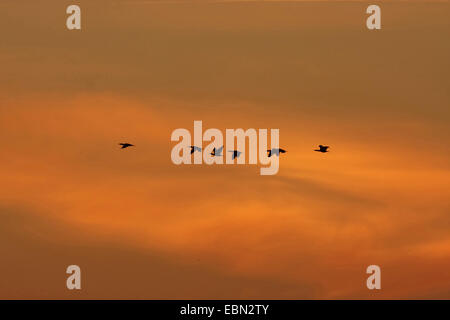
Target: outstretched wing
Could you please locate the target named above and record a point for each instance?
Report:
(195, 148)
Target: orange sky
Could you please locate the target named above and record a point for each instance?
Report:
(141, 227)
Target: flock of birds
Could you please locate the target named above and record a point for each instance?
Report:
(218, 152)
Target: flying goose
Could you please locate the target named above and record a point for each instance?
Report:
(218, 152)
(275, 152)
(235, 155)
(126, 145)
(194, 148)
(322, 149)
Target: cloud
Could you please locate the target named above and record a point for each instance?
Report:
(314, 227)
(42, 250)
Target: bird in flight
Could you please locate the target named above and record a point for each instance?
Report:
(322, 149)
(126, 145)
(218, 152)
(275, 152)
(235, 155)
(194, 148)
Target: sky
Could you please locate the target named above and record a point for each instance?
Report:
(141, 227)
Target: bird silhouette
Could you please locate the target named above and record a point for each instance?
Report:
(194, 148)
(126, 145)
(322, 149)
(218, 152)
(275, 151)
(235, 155)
